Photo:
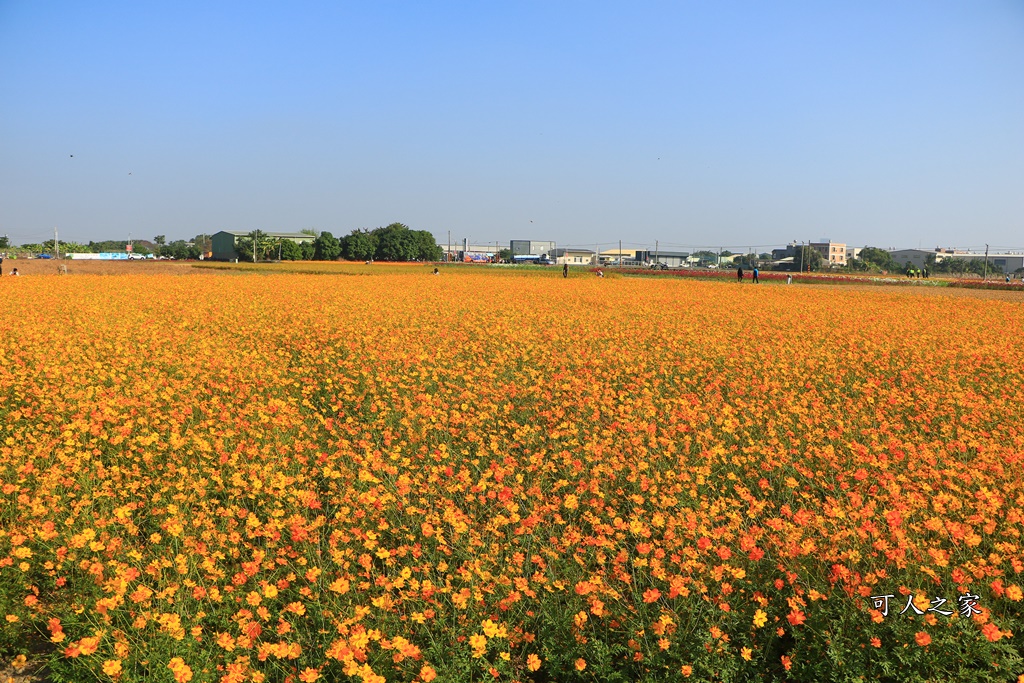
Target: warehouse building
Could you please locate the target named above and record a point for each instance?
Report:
(223, 242)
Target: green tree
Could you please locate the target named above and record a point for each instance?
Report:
(243, 247)
(504, 255)
(308, 251)
(290, 251)
(807, 258)
(359, 245)
(396, 242)
(5, 242)
(179, 249)
(203, 244)
(326, 247)
(161, 240)
(878, 257)
(427, 247)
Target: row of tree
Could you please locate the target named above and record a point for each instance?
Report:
(395, 242)
(875, 259)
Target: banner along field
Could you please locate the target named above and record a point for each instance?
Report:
(248, 476)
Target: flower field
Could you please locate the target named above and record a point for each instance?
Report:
(496, 476)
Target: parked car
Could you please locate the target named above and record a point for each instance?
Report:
(659, 266)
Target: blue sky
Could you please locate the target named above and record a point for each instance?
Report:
(691, 123)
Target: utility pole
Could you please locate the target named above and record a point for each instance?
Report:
(448, 256)
(56, 244)
(986, 264)
(255, 241)
(720, 257)
(620, 253)
(801, 257)
(657, 253)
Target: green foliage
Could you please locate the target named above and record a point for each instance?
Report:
(178, 249)
(807, 258)
(395, 242)
(160, 240)
(5, 242)
(877, 257)
(290, 251)
(960, 266)
(326, 247)
(202, 243)
(359, 245)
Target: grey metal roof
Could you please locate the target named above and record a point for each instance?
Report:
(268, 233)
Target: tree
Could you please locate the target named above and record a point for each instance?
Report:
(505, 255)
(705, 254)
(179, 249)
(203, 244)
(807, 258)
(5, 242)
(879, 257)
(427, 247)
(243, 247)
(326, 247)
(308, 251)
(396, 243)
(265, 246)
(290, 251)
(161, 240)
(359, 245)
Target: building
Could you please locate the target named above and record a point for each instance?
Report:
(531, 247)
(916, 258)
(997, 263)
(223, 242)
(787, 252)
(853, 253)
(574, 257)
(832, 253)
(672, 259)
(615, 256)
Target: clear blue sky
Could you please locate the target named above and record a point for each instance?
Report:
(694, 123)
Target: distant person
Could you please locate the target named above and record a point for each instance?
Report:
(1, 266)
(739, 274)
(600, 273)
(436, 271)
(789, 279)
(15, 273)
(1007, 278)
(565, 270)
(756, 281)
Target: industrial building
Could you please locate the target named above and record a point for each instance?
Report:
(574, 257)
(672, 259)
(223, 242)
(531, 247)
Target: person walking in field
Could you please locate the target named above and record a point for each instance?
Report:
(789, 279)
(756, 281)
(739, 274)
(565, 270)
